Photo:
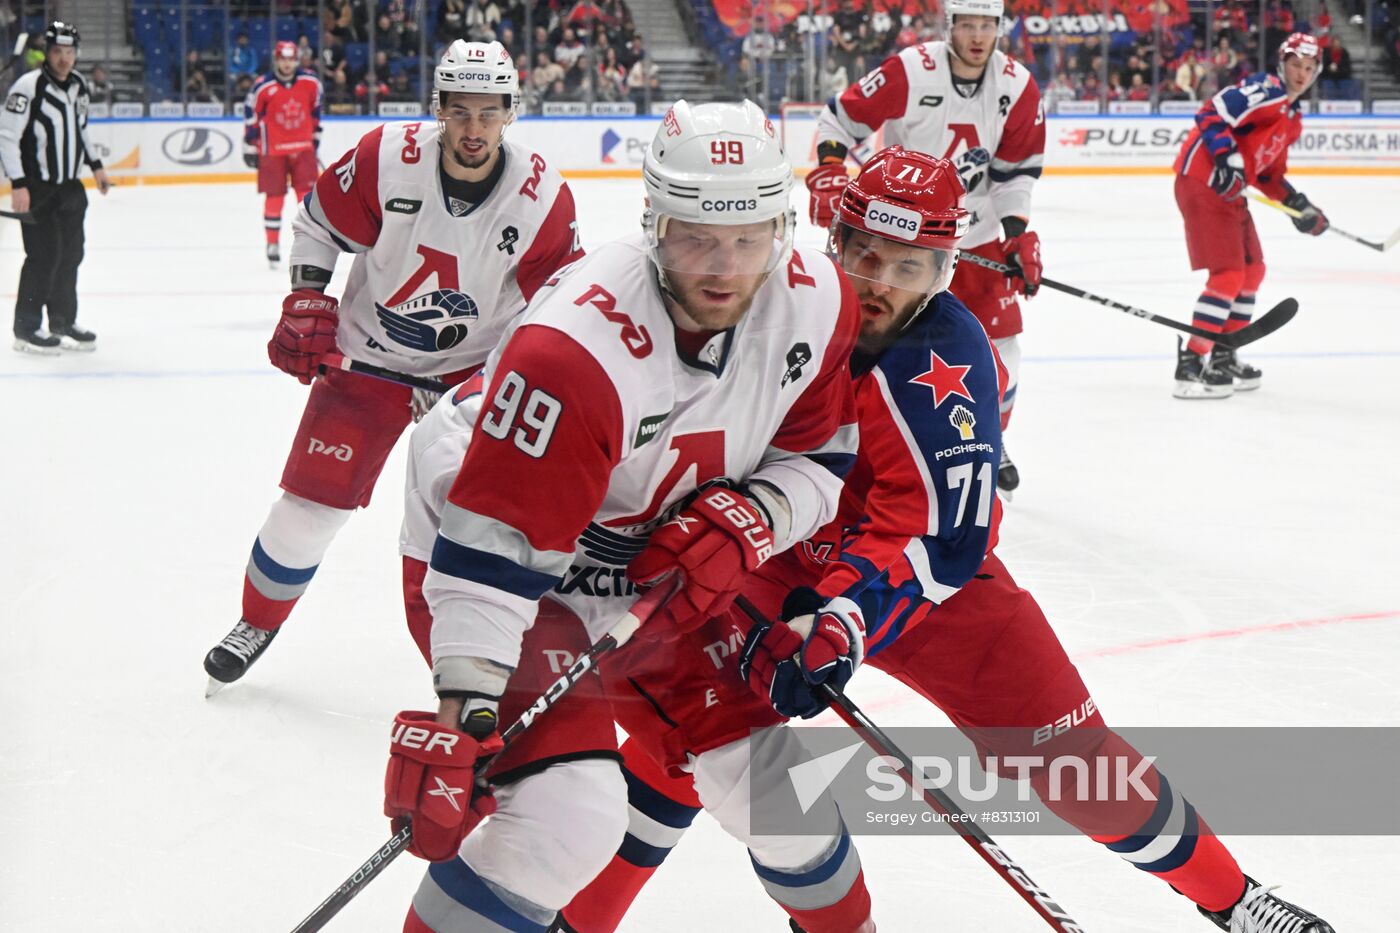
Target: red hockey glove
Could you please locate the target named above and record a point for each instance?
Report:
(714, 542)
(826, 183)
(305, 334)
(823, 643)
(432, 781)
(1227, 178)
(1313, 220)
(1022, 253)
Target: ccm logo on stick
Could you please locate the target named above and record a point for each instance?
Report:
(418, 737)
(736, 204)
(896, 221)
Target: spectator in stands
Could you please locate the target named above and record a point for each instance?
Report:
(506, 37)
(371, 82)
(242, 58)
(339, 18)
(99, 85)
(584, 14)
(338, 92)
(1091, 88)
(483, 18)
(242, 86)
(1225, 61)
(1190, 74)
(382, 60)
(1336, 71)
(332, 56)
(451, 21)
(387, 36)
(1116, 91)
(569, 53)
(546, 73)
(834, 79)
(1138, 88)
(611, 80)
(400, 89)
(196, 81)
(643, 81)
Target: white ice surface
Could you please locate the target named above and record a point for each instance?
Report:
(135, 479)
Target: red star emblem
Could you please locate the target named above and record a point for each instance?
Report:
(943, 379)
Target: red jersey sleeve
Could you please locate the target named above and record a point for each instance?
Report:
(1022, 147)
(555, 245)
(881, 95)
(537, 469)
(345, 200)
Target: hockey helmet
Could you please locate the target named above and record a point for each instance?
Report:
(61, 34)
(912, 199)
(719, 164)
(285, 49)
(476, 68)
(1302, 45)
(993, 8)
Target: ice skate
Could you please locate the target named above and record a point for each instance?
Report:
(1008, 477)
(231, 658)
(274, 255)
(75, 338)
(1196, 378)
(1224, 360)
(1259, 911)
(38, 344)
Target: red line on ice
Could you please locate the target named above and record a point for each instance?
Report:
(1235, 633)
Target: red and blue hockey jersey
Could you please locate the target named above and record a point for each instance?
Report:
(919, 510)
(1255, 119)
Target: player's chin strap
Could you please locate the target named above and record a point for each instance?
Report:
(994, 855)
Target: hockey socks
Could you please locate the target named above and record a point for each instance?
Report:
(828, 896)
(286, 553)
(272, 217)
(1241, 313)
(1211, 312)
(660, 810)
(453, 897)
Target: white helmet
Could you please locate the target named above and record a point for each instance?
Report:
(974, 8)
(477, 68)
(718, 164)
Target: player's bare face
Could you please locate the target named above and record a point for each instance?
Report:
(974, 38)
(715, 270)
(1298, 74)
(473, 125)
(286, 67)
(61, 59)
(892, 281)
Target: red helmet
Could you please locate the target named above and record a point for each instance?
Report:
(905, 195)
(286, 50)
(1300, 44)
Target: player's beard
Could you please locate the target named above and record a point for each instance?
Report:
(881, 322)
(473, 162)
(712, 302)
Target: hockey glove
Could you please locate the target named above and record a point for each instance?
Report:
(1227, 178)
(1313, 220)
(825, 184)
(432, 781)
(715, 541)
(1022, 253)
(250, 159)
(822, 642)
(305, 334)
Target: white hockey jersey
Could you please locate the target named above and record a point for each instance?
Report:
(593, 425)
(996, 138)
(430, 292)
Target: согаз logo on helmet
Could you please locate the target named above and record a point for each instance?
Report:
(734, 204)
(197, 145)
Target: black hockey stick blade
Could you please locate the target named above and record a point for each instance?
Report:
(1277, 316)
(24, 217)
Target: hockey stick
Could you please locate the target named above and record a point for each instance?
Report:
(994, 855)
(1331, 228)
(1270, 321)
(21, 45)
(627, 626)
(345, 364)
(24, 217)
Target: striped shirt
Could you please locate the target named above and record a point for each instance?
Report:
(43, 129)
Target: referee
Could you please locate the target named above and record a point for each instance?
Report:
(43, 145)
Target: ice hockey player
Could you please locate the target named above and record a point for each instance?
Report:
(453, 230)
(908, 581)
(1241, 138)
(675, 405)
(281, 136)
(967, 102)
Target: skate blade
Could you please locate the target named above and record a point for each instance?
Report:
(74, 346)
(213, 687)
(1194, 390)
(24, 346)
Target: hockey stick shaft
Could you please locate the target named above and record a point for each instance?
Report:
(1331, 228)
(345, 364)
(24, 217)
(619, 635)
(994, 855)
(21, 44)
(1270, 321)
